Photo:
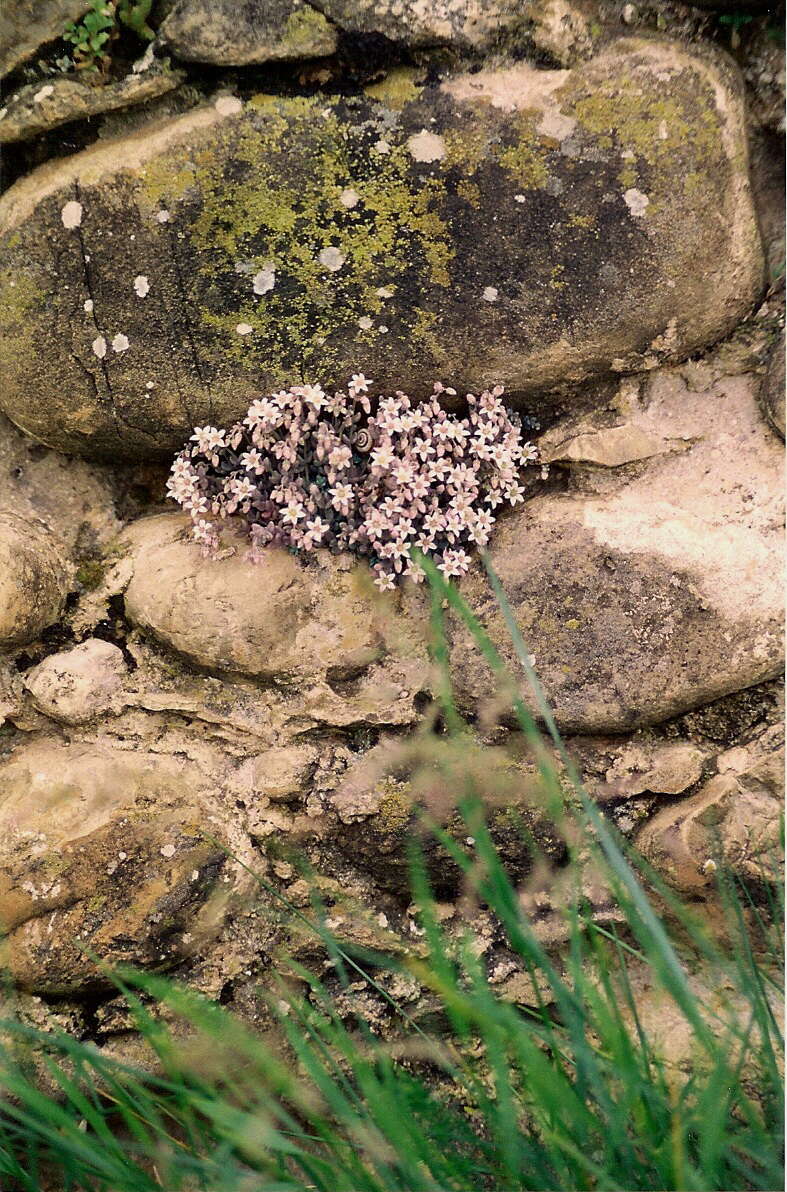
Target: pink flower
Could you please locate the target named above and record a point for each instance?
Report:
(306, 468)
(253, 460)
(292, 513)
(341, 496)
(317, 529)
(340, 457)
(383, 456)
(423, 449)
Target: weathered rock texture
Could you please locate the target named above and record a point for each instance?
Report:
(733, 820)
(231, 34)
(465, 24)
(773, 387)
(321, 631)
(27, 24)
(516, 225)
(79, 684)
(108, 852)
(33, 580)
(40, 106)
(650, 586)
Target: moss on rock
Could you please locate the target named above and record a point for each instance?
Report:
(527, 227)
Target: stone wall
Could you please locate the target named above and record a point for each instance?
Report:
(554, 196)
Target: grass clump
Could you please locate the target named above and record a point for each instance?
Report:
(569, 1091)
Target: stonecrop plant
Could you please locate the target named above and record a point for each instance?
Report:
(307, 469)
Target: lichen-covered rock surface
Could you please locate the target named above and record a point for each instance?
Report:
(231, 34)
(530, 227)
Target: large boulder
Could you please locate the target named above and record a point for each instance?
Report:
(108, 857)
(27, 24)
(650, 587)
(225, 33)
(319, 636)
(532, 227)
(278, 620)
(34, 580)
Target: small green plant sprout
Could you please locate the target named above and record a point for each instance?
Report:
(98, 28)
(90, 36)
(134, 15)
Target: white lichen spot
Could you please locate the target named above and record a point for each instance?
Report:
(636, 202)
(163, 216)
(141, 285)
(426, 146)
(150, 384)
(71, 214)
(381, 146)
(365, 323)
(349, 197)
(332, 258)
(628, 155)
(145, 62)
(120, 342)
(167, 850)
(228, 105)
(265, 280)
(490, 294)
(244, 328)
(520, 198)
(99, 346)
(87, 306)
(43, 94)
(385, 292)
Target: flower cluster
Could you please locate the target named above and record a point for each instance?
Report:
(306, 469)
